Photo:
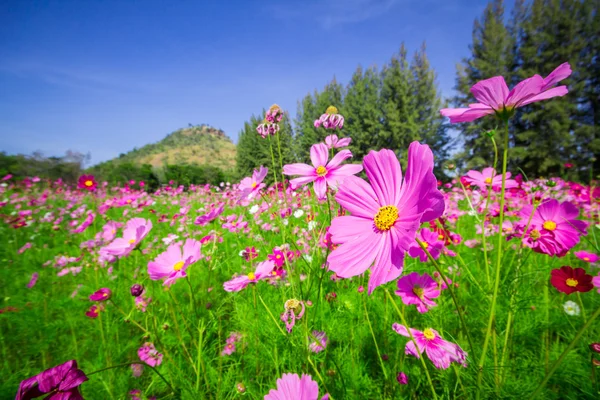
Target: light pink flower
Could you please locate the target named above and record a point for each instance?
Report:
(439, 351)
(172, 264)
(418, 289)
(386, 214)
(135, 231)
(333, 142)
(322, 172)
(33, 280)
(495, 98)
(249, 186)
(263, 270)
(292, 387)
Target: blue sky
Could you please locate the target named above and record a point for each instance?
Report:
(106, 76)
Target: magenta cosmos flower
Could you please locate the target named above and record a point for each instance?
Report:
(586, 256)
(488, 177)
(57, 383)
(553, 224)
(431, 241)
(205, 219)
(386, 214)
(419, 290)
(135, 231)
(101, 295)
(292, 387)
(171, 264)
(439, 351)
(333, 142)
(495, 98)
(322, 173)
(263, 270)
(150, 355)
(87, 182)
(249, 186)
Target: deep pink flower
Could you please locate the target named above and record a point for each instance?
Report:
(402, 378)
(249, 186)
(229, 349)
(263, 270)
(135, 231)
(87, 182)
(101, 295)
(292, 387)
(94, 311)
(57, 383)
(569, 280)
(386, 214)
(150, 355)
(33, 280)
(86, 222)
(439, 351)
(322, 172)
(432, 243)
(495, 98)
(586, 256)
(172, 264)
(418, 289)
(250, 253)
(488, 177)
(278, 257)
(205, 219)
(333, 142)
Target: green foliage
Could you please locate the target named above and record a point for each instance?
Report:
(539, 36)
(68, 167)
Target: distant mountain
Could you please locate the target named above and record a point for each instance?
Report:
(199, 145)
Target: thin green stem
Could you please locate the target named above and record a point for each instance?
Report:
(401, 315)
(272, 317)
(492, 316)
(565, 352)
(374, 340)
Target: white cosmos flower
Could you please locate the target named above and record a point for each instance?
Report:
(253, 209)
(298, 213)
(571, 308)
(312, 225)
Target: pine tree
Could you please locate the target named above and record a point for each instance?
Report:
(362, 111)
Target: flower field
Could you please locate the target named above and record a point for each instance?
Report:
(341, 279)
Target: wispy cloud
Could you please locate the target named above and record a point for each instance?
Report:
(331, 13)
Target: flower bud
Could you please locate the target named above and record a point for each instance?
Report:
(137, 290)
(595, 347)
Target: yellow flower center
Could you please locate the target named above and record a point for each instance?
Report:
(535, 234)
(291, 304)
(428, 333)
(251, 276)
(274, 108)
(440, 236)
(572, 282)
(419, 291)
(321, 171)
(178, 265)
(253, 185)
(128, 201)
(425, 244)
(386, 217)
(488, 180)
(88, 183)
(586, 259)
(331, 110)
(131, 241)
(549, 225)
(104, 294)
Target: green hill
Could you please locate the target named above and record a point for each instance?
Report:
(196, 145)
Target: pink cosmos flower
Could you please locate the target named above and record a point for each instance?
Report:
(94, 311)
(333, 142)
(234, 224)
(101, 294)
(292, 387)
(432, 243)
(87, 182)
(150, 355)
(294, 309)
(488, 177)
(386, 214)
(135, 231)
(33, 280)
(205, 219)
(320, 344)
(402, 378)
(587, 257)
(418, 289)
(109, 231)
(172, 264)
(331, 119)
(278, 257)
(249, 186)
(439, 351)
(494, 97)
(24, 248)
(57, 383)
(554, 229)
(263, 270)
(86, 222)
(322, 173)
(596, 281)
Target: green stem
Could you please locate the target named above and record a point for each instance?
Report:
(454, 298)
(272, 317)
(490, 324)
(414, 342)
(564, 353)
(374, 340)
